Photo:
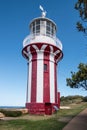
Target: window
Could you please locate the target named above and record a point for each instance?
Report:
(37, 22)
(33, 27)
(37, 29)
(43, 27)
(48, 28)
(48, 23)
(37, 26)
(45, 67)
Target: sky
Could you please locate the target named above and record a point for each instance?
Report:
(15, 16)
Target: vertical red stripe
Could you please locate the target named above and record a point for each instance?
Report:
(34, 78)
(27, 81)
(46, 95)
(55, 80)
(58, 99)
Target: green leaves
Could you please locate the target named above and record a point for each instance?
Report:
(78, 79)
(81, 7)
(80, 27)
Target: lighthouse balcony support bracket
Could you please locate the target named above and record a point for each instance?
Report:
(39, 47)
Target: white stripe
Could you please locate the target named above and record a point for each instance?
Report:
(52, 85)
(29, 79)
(59, 58)
(43, 47)
(58, 51)
(39, 93)
(25, 53)
(35, 47)
(28, 49)
(51, 48)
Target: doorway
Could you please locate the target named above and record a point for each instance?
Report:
(48, 108)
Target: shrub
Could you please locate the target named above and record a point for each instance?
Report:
(71, 99)
(10, 113)
(85, 99)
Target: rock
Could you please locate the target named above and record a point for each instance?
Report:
(65, 107)
(24, 111)
(2, 115)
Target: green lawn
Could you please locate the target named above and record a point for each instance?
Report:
(52, 123)
(75, 109)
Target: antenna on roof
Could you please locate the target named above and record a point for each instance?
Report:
(43, 11)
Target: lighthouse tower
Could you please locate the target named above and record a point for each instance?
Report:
(43, 51)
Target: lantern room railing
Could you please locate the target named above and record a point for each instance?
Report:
(31, 37)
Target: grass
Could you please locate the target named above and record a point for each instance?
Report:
(53, 123)
(75, 109)
(50, 124)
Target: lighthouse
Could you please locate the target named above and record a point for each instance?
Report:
(42, 50)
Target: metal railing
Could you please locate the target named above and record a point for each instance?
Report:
(30, 37)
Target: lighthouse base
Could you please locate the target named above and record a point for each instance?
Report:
(42, 108)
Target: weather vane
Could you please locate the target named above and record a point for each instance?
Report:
(43, 11)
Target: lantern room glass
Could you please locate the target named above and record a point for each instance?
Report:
(43, 27)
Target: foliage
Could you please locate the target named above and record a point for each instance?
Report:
(71, 99)
(10, 113)
(78, 79)
(81, 6)
(85, 99)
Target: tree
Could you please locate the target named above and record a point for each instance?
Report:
(78, 79)
(81, 6)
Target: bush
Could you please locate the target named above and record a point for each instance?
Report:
(10, 113)
(71, 99)
(85, 99)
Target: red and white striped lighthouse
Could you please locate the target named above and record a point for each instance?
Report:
(43, 50)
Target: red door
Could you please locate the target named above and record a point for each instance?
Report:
(48, 108)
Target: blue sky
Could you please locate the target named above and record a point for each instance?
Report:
(15, 16)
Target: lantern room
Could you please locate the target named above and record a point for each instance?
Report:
(42, 30)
